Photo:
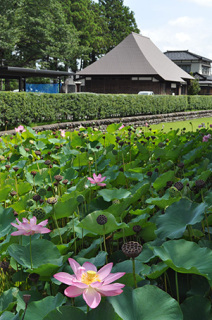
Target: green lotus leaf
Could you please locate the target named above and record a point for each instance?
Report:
(114, 194)
(139, 212)
(37, 180)
(146, 254)
(4, 192)
(21, 204)
(55, 140)
(186, 257)
(139, 220)
(143, 152)
(180, 214)
(9, 316)
(98, 260)
(205, 175)
(35, 296)
(6, 217)
(65, 312)
(8, 300)
(106, 309)
(155, 271)
(23, 152)
(37, 310)
(127, 266)
(160, 182)
(90, 223)
(199, 286)
(70, 174)
(148, 302)
(138, 191)
(196, 308)
(172, 154)
(134, 175)
(163, 202)
(66, 206)
(43, 252)
(24, 187)
(193, 155)
(80, 160)
(46, 271)
(113, 127)
(148, 231)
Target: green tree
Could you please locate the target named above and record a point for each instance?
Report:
(9, 31)
(120, 20)
(45, 35)
(87, 18)
(194, 87)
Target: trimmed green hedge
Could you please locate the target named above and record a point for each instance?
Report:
(25, 108)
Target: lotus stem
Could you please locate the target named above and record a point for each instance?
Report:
(177, 287)
(165, 282)
(61, 241)
(134, 275)
(30, 250)
(105, 247)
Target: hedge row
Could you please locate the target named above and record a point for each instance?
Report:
(29, 108)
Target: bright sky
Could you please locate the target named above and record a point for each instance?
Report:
(175, 24)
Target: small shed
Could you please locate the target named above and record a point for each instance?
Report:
(21, 74)
(134, 65)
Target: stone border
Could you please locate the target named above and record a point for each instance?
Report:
(134, 121)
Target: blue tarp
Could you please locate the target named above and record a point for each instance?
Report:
(42, 87)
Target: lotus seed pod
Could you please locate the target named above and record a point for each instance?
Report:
(200, 184)
(39, 213)
(36, 197)
(51, 200)
(132, 249)
(137, 228)
(58, 178)
(30, 203)
(101, 219)
(13, 193)
(34, 277)
(178, 185)
(47, 162)
(80, 198)
(42, 191)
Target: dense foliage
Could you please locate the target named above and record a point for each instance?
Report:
(152, 190)
(30, 107)
(58, 33)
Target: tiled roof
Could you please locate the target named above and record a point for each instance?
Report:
(184, 55)
(136, 55)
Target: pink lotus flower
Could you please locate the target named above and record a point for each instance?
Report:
(146, 124)
(62, 133)
(122, 126)
(97, 180)
(90, 283)
(29, 227)
(20, 129)
(206, 138)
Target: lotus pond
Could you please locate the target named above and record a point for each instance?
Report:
(106, 225)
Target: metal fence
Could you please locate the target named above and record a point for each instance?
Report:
(42, 87)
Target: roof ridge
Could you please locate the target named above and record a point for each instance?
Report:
(140, 35)
(189, 52)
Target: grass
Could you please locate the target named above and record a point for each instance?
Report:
(190, 125)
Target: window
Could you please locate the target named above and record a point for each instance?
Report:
(205, 70)
(186, 67)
